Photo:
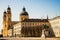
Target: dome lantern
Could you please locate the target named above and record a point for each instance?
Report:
(24, 12)
(24, 9)
(8, 7)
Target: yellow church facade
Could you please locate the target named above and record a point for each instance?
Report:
(6, 21)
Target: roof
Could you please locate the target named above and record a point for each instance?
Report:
(58, 17)
(4, 11)
(15, 22)
(24, 13)
(35, 20)
(8, 7)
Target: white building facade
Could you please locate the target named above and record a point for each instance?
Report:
(55, 24)
(17, 30)
(10, 33)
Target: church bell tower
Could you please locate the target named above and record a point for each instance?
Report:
(6, 21)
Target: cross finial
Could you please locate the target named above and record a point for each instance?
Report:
(8, 7)
(24, 8)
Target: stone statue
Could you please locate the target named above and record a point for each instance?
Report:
(43, 35)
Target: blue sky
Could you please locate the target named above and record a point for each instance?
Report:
(35, 8)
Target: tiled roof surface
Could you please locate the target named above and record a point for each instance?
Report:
(57, 17)
(35, 20)
(15, 22)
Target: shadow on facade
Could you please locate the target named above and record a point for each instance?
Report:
(31, 31)
(51, 32)
(36, 31)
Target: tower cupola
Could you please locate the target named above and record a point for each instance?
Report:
(24, 9)
(8, 7)
(4, 12)
(24, 14)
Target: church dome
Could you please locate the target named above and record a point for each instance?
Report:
(24, 12)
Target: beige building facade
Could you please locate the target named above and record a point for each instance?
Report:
(17, 30)
(10, 33)
(55, 24)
